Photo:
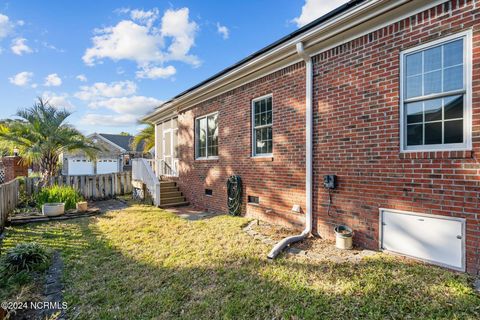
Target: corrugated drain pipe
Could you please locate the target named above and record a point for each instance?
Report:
(308, 158)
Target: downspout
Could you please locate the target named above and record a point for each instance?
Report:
(308, 158)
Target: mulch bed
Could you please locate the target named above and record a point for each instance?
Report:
(312, 247)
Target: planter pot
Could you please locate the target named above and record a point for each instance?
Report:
(53, 209)
(343, 237)
(82, 206)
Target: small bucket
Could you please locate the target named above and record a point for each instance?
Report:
(343, 237)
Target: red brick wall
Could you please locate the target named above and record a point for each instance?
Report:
(356, 133)
(14, 167)
(278, 181)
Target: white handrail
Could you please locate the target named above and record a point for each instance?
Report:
(144, 170)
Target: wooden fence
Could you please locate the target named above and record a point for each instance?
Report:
(9, 197)
(93, 187)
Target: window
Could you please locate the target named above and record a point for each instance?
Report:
(253, 199)
(262, 126)
(206, 136)
(435, 98)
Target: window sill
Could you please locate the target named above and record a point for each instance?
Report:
(207, 159)
(452, 154)
(262, 158)
(253, 204)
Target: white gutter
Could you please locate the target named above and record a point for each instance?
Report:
(308, 158)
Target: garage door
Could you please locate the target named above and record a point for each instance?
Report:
(439, 240)
(80, 166)
(105, 166)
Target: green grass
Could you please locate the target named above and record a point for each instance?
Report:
(143, 263)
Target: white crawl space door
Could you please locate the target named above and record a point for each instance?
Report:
(436, 239)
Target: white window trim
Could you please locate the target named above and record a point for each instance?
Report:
(467, 119)
(196, 137)
(254, 154)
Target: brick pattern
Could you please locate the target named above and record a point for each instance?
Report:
(356, 137)
(356, 133)
(278, 181)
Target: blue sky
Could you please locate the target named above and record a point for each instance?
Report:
(110, 62)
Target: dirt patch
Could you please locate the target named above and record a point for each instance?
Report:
(312, 247)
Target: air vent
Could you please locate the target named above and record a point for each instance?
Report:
(253, 199)
(208, 192)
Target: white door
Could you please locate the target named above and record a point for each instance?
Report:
(436, 239)
(170, 148)
(106, 166)
(80, 167)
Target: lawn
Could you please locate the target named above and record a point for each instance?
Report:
(143, 263)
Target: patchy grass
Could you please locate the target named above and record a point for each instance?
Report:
(142, 263)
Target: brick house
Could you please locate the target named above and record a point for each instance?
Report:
(383, 94)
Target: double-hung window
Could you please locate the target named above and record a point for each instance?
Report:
(435, 97)
(262, 126)
(206, 136)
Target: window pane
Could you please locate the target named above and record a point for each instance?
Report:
(414, 64)
(263, 106)
(269, 104)
(432, 82)
(415, 134)
(453, 53)
(453, 107)
(263, 118)
(432, 59)
(257, 107)
(433, 110)
(453, 78)
(413, 86)
(269, 117)
(202, 140)
(433, 133)
(454, 131)
(269, 133)
(212, 136)
(414, 112)
(269, 146)
(257, 119)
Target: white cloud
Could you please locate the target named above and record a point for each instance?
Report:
(150, 47)
(52, 80)
(313, 9)
(6, 26)
(21, 79)
(108, 120)
(126, 41)
(19, 46)
(137, 105)
(156, 72)
(58, 101)
(176, 24)
(101, 90)
(223, 31)
(81, 78)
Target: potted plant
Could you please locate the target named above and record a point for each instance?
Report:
(82, 206)
(55, 200)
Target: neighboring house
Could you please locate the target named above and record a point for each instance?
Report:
(383, 94)
(115, 155)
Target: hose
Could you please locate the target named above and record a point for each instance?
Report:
(234, 192)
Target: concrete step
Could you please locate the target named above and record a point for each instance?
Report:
(178, 204)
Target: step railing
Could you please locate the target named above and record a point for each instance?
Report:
(145, 170)
(167, 170)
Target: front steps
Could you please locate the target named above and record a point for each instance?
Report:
(171, 196)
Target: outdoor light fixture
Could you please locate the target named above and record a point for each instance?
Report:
(15, 152)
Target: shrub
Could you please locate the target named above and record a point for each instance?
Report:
(56, 194)
(25, 257)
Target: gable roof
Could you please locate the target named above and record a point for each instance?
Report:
(122, 141)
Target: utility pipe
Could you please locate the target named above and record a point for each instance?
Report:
(308, 158)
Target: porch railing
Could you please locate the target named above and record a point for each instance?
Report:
(144, 170)
(167, 170)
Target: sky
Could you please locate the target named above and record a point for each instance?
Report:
(111, 62)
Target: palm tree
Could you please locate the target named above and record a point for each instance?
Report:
(145, 136)
(41, 135)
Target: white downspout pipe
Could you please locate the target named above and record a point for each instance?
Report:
(308, 157)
